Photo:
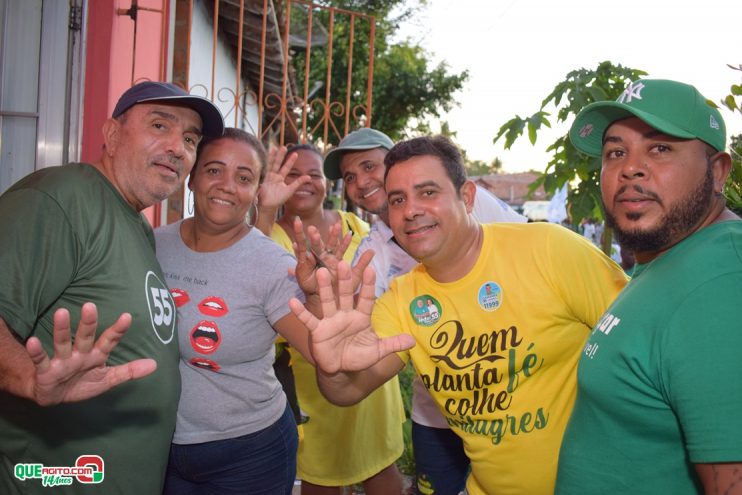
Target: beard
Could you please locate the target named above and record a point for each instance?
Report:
(673, 226)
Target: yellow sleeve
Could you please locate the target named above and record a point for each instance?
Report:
(281, 238)
(385, 320)
(352, 223)
(587, 280)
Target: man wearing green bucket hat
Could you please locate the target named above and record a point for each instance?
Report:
(657, 409)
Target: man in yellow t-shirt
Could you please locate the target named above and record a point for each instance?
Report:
(494, 319)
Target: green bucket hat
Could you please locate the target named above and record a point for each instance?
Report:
(671, 107)
(359, 140)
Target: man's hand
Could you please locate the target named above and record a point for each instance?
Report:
(343, 340)
(78, 372)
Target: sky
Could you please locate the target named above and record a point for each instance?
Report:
(516, 51)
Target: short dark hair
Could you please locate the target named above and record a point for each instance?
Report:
(239, 135)
(438, 146)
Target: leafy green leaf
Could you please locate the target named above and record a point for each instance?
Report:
(730, 102)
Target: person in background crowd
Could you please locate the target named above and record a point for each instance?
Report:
(341, 445)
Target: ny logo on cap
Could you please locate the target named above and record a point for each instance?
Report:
(586, 130)
(713, 123)
(633, 90)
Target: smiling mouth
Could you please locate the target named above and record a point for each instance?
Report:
(420, 230)
(221, 201)
(370, 193)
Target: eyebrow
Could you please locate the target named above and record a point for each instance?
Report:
(215, 162)
(647, 135)
(171, 117)
(416, 187)
(224, 164)
(361, 163)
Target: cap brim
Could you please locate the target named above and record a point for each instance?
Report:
(331, 165)
(211, 118)
(588, 130)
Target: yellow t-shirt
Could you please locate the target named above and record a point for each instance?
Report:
(498, 349)
(344, 445)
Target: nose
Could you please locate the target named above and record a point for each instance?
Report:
(176, 143)
(228, 184)
(363, 180)
(634, 169)
(411, 209)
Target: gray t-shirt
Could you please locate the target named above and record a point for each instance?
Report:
(227, 301)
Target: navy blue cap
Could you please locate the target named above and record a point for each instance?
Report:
(152, 91)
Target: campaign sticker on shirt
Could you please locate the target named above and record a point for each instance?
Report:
(425, 310)
(489, 296)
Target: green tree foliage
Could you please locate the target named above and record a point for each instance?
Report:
(734, 91)
(407, 92)
(480, 167)
(733, 186)
(580, 88)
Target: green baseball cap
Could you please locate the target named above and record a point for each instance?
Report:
(359, 140)
(671, 107)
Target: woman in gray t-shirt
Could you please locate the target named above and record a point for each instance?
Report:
(230, 284)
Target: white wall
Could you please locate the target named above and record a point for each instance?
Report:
(199, 76)
(199, 79)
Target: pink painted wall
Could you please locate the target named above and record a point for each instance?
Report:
(115, 60)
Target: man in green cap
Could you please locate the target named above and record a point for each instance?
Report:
(659, 395)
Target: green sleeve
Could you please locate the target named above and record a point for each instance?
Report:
(701, 369)
(38, 255)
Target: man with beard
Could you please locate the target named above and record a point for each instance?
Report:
(659, 395)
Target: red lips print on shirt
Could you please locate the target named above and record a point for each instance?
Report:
(213, 306)
(206, 337)
(180, 297)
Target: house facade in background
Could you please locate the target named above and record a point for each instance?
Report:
(64, 63)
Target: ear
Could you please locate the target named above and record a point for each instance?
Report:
(111, 135)
(468, 192)
(721, 165)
